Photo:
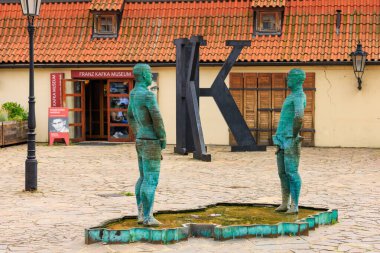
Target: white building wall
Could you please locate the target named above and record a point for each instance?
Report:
(344, 116)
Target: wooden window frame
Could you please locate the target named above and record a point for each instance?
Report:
(257, 21)
(97, 33)
(110, 124)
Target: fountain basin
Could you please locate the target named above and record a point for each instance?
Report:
(221, 221)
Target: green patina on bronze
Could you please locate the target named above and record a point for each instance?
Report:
(288, 141)
(146, 122)
(221, 215)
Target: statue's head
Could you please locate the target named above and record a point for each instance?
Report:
(143, 74)
(296, 77)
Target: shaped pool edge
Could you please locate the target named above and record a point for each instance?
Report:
(218, 232)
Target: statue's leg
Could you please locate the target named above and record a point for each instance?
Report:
(149, 186)
(284, 182)
(151, 165)
(292, 158)
(140, 216)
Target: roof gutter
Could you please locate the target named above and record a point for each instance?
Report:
(45, 1)
(172, 64)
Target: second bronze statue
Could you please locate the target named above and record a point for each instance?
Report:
(145, 119)
(288, 142)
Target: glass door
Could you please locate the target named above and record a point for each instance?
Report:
(74, 100)
(117, 103)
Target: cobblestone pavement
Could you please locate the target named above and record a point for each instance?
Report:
(74, 180)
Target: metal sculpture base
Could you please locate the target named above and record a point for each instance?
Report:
(248, 148)
(220, 233)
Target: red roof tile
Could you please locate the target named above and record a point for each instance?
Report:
(106, 5)
(268, 3)
(147, 31)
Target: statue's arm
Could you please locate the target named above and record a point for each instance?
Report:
(155, 114)
(131, 119)
(299, 108)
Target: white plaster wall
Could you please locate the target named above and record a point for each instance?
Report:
(213, 125)
(14, 87)
(344, 116)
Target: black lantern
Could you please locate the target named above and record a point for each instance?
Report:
(358, 61)
(31, 8)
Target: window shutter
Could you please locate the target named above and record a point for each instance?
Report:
(260, 98)
(264, 109)
(236, 81)
(308, 121)
(278, 97)
(250, 101)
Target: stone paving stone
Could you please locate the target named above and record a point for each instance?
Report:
(71, 181)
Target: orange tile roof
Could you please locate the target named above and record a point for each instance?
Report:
(268, 3)
(106, 5)
(64, 32)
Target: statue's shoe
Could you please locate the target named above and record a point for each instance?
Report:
(292, 210)
(151, 222)
(140, 216)
(281, 208)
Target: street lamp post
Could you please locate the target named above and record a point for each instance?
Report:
(31, 8)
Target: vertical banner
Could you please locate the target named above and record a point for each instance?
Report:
(56, 89)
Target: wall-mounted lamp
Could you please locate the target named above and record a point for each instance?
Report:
(358, 60)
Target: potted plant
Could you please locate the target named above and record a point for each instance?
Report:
(13, 124)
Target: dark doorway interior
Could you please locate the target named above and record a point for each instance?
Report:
(96, 110)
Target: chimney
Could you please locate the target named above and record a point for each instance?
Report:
(338, 21)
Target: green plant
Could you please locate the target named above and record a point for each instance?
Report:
(15, 111)
(128, 194)
(3, 115)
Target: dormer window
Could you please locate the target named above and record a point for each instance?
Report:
(105, 25)
(268, 21)
(107, 16)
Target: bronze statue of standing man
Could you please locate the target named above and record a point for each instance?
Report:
(145, 119)
(288, 142)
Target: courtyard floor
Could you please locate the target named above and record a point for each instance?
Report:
(78, 188)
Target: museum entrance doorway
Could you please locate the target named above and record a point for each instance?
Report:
(98, 106)
(96, 110)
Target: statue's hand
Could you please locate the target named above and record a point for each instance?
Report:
(163, 144)
(292, 142)
(295, 141)
(298, 139)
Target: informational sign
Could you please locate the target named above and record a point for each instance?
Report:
(101, 74)
(58, 124)
(154, 86)
(56, 89)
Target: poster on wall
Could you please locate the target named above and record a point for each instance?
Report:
(56, 89)
(58, 124)
(154, 86)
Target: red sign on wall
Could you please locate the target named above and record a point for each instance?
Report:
(101, 74)
(56, 89)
